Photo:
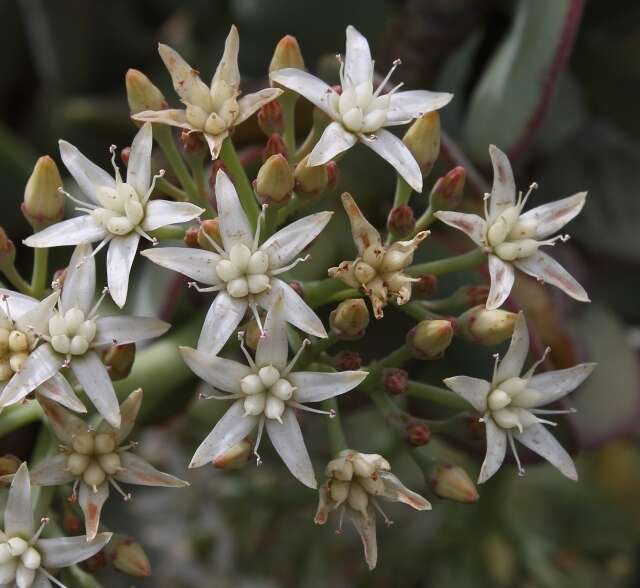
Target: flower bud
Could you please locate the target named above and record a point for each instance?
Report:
(348, 360)
(252, 333)
(452, 482)
(128, 556)
(429, 338)
(350, 318)
(192, 143)
(425, 286)
(43, 204)
(333, 173)
(95, 563)
(396, 381)
(423, 140)
(235, 457)
(311, 180)
(142, 94)
(275, 146)
(191, 237)
(448, 190)
(401, 220)
(270, 118)
(487, 327)
(208, 231)
(71, 522)
(418, 434)
(287, 54)
(119, 360)
(275, 179)
(125, 154)
(9, 464)
(297, 288)
(7, 250)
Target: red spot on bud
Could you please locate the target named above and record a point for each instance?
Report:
(275, 146)
(396, 381)
(425, 286)
(297, 288)
(191, 142)
(348, 360)
(125, 153)
(191, 237)
(270, 118)
(401, 220)
(418, 434)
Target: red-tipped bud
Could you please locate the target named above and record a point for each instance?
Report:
(487, 327)
(348, 360)
(401, 221)
(287, 54)
(275, 181)
(350, 319)
(396, 381)
(310, 180)
(448, 190)
(333, 172)
(452, 482)
(125, 153)
(95, 563)
(209, 231)
(235, 457)
(128, 556)
(297, 288)
(425, 286)
(430, 338)
(119, 360)
(71, 522)
(7, 250)
(418, 434)
(270, 118)
(252, 333)
(423, 140)
(274, 146)
(192, 143)
(191, 237)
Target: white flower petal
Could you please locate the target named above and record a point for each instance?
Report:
(537, 438)
(317, 386)
(65, 425)
(139, 165)
(18, 514)
(358, 65)
(128, 413)
(334, 140)
(87, 174)
(159, 213)
(118, 330)
(395, 152)
(197, 264)
(366, 527)
(471, 224)
(61, 552)
(546, 269)
(80, 229)
(234, 224)
(223, 317)
(229, 430)
(286, 438)
(396, 491)
(59, 390)
(553, 216)
(139, 471)
(174, 117)
(251, 103)
(79, 285)
(312, 88)
(283, 246)
(223, 374)
(503, 192)
(273, 347)
(91, 504)
(473, 390)
(502, 277)
(186, 81)
(215, 143)
(94, 378)
(512, 363)
(37, 318)
(296, 310)
(18, 303)
(51, 471)
(120, 256)
(227, 69)
(41, 581)
(558, 383)
(496, 450)
(415, 103)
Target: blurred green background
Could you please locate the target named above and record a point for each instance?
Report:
(556, 83)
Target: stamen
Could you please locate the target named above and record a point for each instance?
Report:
(296, 357)
(258, 439)
(41, 570)
(36, 535)
(383, 83)
(195, 286)
(376, 504)
(341, 519)
(286, 268)
(496, 358)
(250, 361)
(76, 200)
(112, 149)
(533, 368)
(512, 443)
(203, 396)
(546, 422)
(102, 243)
(130, 445)
(96, 306)
(73, 497)
(522, 201)
(7, 310)
(330, 413)
(485, 200)
(155, 178)
(256, 316)
(341, 71)
(212, 242)
(546, 411)
(145, 235)
(552, 242)
(125, 495)
(256, 236)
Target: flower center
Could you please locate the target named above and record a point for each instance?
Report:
(216, 110)
(509, 404)
(121, 210)
(71, 333)
(93, 457)
(244, 272)
(266, 392)
(15, 346)
(19, 561)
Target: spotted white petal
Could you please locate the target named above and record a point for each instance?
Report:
(18, 514)
(395, 152)
(503, 192)
(358, 65)
(91, 505)
(512, 363)
(558, 383)
(79, 286)
(51, 471)
(551, 217)
(496, 450)
(186, 81)
(273, 347)
(94, 378)
(87, 174)
(286, 438)
(470, 224)
(234, 224)
(223, 374)
(59, 390)
(396, 491)
(18, 303)
(546, 269)
(80, 229)
(139, 165)
(120, 256)
(128, 413)
(37, 317)
(65, 425)
(140, 472)
(61, 552)
(229, 430)
(317, 386)
(251, 103)
(312, 88)
(333, 141)
(223, 317)
(227, 69)
(415, 103)
(197, 264)
(215, 143)
(473, 390)
(502, 277)
(537, 438)
(174, 117)
(118, 330)
(366, 527)
(159, 213)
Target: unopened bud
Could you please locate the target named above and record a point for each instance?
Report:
(235, 457)
(429, 338)
(275, 180)
(452, 482)
(401, 220)
(192, 143)
(350, 318)
(270, 118)
(7, 250)
(311, 180)
(71, 522)
(423, 140)
(9, 465)
(95, 563)
(191, 237)
(348, 360)
(125, 153)
(297, 288)
(448, 190)
(59, 276)
(287, 54)
(395, 380)
(275, 146)
(252, 333)
(333, 172)
(128, 556)
(425, 286)
(43, 202)
(418, 434)
(208, 231)
(119, 360)
(487, 327)
(142, 94)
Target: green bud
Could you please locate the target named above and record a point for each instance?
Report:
(119, 360)
(9, 465)
(452, 482)
(142, 94)
(350, 318)
(487, 327)
(448, 190)
(423, 140)
(311, 180)
(430, 338)
(128, 556)
(43, 202)
(275, 180)
(287, 54)
(235, 457)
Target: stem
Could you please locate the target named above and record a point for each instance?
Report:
(457, 263)
(400, 198)
(288, 102)
(337, 439)
(16, 280)
(344, 295)
(442, 396)
(425, 220)
(164, 137)
(419, 312)
(169, 189)
(196, 165)
(169, 232)
(18, 415)
(229, 156)
(309, 143)
(40, 270)
(319, 292)
(394, 359)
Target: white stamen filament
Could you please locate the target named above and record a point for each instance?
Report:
(289, 367)
(515, 453)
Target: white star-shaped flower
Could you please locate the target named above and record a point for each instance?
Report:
(360, 113)
(512, 239)
(510, 405)
(25, 558)
(118, 213)
(244, 272)
(265, 394)
(93, 458)
(73, 336)
(211, 110)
